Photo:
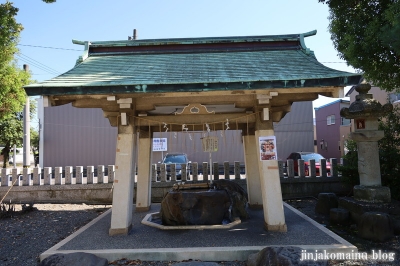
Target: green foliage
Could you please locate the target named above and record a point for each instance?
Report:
(349, 169)
(366, 35)
(9, 33)
(35, 143)
(389, 151)
(12, 95)
(11, 132)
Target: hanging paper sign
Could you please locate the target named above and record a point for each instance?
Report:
(267, 147)
(210, 144)
(159, 144)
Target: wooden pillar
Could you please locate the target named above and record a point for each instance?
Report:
(274, 217)
(143, 191)
(121, 216)
(252, 174)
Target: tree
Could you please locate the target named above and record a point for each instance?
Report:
(12, 95)
(35, 145)
(389, 151)
(12, 132)
(349, 169)
(367, 35)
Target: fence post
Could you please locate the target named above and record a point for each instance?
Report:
(90, 174)
(280, 167)
(163, 172)
(322, 167)
(5, 177)
(68, 175)
(15, 176)
(154, 172)
(226, 170)
(58, 175)
(205, 171)
(172, 169)
(290, 168)
(26, 176)
(79, 174)
(37, 176)
(111, 174)
(237, 170)
(47, 176)
(184, 173)
(334, 165)
(216, 170)
(100, 174)
(301, 168)
(195, 171)
(312, 171)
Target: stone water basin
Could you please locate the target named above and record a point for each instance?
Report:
(220, 204)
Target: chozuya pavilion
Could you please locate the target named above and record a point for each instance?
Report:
(144, 85)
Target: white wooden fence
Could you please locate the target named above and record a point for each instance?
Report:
(160, 173)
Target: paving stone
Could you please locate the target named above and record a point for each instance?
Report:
(74, 259)
(326, 201)
(282, 256)
(196, 263)
(376, 226)
(339, 216)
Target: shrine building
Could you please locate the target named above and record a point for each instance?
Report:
(194, 84)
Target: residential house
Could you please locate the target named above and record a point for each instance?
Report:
(332, 130)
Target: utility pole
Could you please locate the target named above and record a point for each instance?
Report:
(27, 132)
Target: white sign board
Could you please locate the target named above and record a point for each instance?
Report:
(210, 144)
(160, 144)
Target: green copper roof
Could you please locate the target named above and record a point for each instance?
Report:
(194, 64)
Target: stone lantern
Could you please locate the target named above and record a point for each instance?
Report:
(365, 111)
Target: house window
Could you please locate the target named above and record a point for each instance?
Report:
(344, 121)
(330, 120)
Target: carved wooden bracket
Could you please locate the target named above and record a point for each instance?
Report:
(195, 109)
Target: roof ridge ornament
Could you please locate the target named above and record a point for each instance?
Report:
(85, 51)
(303, 44)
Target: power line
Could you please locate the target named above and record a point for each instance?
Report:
(49, 47)
(31, 63)
(37, 64)
(43, 65)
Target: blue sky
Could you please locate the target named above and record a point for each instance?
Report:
(55, 25)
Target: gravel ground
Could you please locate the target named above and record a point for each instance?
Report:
(28, 233)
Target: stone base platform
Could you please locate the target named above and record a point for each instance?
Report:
(357, 208)
(236, 243)
(373, 194)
